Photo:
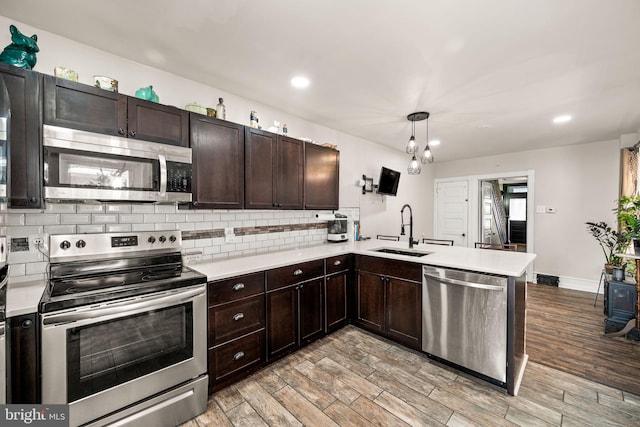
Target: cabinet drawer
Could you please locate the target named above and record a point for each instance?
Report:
(228, 290)
(236, 356)
(338, 263)
(235, 319)
(389, 267)
(285, 276)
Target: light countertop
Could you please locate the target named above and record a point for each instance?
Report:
(24, 297)
(482, 260)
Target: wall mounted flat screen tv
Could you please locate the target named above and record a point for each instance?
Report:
(388, 182)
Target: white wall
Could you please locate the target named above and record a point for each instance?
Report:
(581, 182)
(358, 156)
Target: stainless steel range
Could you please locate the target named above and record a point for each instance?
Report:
(123, 330)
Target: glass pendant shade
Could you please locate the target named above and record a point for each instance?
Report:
(427, 155)
(412, 147)
(414, 166)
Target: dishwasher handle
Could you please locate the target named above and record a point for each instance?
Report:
(458, 282)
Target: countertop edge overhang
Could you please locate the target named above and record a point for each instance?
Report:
(488, 261)
(23, 297)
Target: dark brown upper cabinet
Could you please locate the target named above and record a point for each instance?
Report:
(321, 177)
(274, 174)
(25, 147)
(79, 106)
(218, 163)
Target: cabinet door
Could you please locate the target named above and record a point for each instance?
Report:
(282, 321)
(23, 385)
(218, 163)
(259, 169)
(336, 300)
(289, 175)
(78, 106)
(311, 310)
(158, 123)
(370, 301)
(404, 312)
(321, 177)
(25, 149)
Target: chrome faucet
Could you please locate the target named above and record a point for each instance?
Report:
(402, 224)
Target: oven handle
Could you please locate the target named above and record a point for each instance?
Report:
(163, 174)
(124, 308)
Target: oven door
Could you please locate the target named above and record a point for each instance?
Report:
(102, 358)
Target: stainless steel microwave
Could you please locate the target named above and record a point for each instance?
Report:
(85, 166)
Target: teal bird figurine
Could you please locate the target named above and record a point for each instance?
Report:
(148, 94)
(22, 52)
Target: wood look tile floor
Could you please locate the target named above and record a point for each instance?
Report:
(353, 378)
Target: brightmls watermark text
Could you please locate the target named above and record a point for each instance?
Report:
(34, 415)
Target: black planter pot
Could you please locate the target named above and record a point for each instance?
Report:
(636, 246)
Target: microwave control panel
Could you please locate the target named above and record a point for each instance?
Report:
(178, 177)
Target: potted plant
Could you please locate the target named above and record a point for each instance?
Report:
(611, 242)
(629, 220)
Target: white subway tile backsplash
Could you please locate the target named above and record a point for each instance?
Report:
(104, 218)
(118, 228)
(60, 208)
(118, 208)
(89, 208)
(15, 219)
(68, 218)
(131, 219)
(90, 228)
(141, 208)
(84, 218)
(180, 217)
(60, 229)
(42, 219)
(196, 217)
(142, 227)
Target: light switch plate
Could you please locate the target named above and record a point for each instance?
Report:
(541, 209)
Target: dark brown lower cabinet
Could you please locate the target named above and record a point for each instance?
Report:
(294, 317)
(23, 371)
(336, 301)
(389, 299)
(236, 328)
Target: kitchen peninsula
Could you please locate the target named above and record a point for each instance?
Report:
(290, 298)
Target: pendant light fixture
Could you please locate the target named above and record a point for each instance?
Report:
(412, 148)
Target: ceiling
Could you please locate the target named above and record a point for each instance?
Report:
(492, 73)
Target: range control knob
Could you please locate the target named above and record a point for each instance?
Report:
(172, 239)
(81, 244)
(65, 244)
(151, 240)
(162, 239)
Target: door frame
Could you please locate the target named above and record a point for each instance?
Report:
(473, 214)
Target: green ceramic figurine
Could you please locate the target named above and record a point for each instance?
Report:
(147, 93)
(22, 52)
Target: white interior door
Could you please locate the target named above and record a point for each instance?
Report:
(452, 200)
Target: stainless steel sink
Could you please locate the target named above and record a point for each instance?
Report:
(396, 251)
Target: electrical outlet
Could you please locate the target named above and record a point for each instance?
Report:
(229, 238)
(38, 243)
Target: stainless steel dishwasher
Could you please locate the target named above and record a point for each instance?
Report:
(464, 320)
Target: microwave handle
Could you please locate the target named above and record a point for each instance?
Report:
(163, 174)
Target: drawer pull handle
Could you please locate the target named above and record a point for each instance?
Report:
(238, 286)
(297, 272)
(337, 262)
(238, 316)
(239, 355)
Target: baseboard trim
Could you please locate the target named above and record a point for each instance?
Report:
(578, 284)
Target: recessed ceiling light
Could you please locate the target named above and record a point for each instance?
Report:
(562, 119)
(300, 82)
(434, 142)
